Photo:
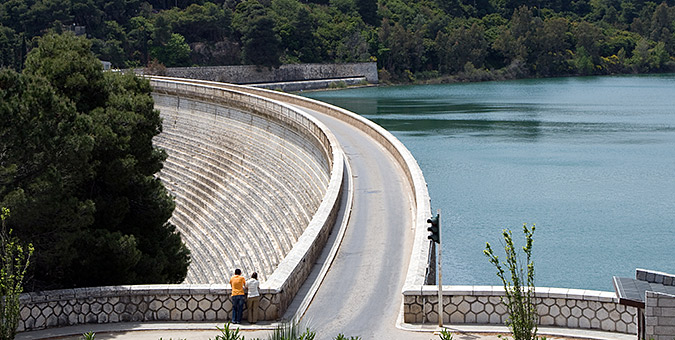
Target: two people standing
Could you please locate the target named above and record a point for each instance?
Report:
(239, 287)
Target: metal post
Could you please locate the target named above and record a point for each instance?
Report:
(440, 274)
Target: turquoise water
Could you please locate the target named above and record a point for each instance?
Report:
(590, 161)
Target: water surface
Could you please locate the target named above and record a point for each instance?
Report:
(590, 160)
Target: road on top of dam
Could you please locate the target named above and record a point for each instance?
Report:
(361, 293)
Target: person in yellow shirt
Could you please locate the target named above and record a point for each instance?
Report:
(237, 282)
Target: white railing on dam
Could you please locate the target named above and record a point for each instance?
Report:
(211, 302)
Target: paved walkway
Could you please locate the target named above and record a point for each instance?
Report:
(205, 331)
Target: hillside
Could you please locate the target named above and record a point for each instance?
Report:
(411, 40)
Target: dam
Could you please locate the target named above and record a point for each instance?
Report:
(269, 146)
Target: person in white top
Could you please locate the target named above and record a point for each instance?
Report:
(253, 299)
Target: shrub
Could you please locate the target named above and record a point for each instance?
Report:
(520, 289)
(15, 261)
(228, 334)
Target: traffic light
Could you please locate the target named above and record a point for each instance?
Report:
(435, 234)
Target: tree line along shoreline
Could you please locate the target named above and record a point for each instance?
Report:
(411, 41)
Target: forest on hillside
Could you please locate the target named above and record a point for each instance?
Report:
(410, 40)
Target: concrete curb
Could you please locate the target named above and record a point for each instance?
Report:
(541, 331)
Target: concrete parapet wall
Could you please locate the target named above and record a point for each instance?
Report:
(250, 74)
(652, 276)
(137, 303)
(294, 86)
(559, 307)
(210, 302)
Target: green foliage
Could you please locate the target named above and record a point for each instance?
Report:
(228, 334)
(15, 261)
(502, 38)
(9, 48)
(337, 85)
(69, 66)
(261, 45)
(445, 334)
(89, 336)
(344, 337)
(583, 62)
(291, 331)
(78, 167)
(519, 287)
(172, 53)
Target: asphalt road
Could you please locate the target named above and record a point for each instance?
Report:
(361, 293)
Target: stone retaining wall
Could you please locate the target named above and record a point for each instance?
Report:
(68, 307)
(659, 316)
(655, 277)
(250, 74)
(659, 310)
(304, 85)
(558, 307)
(41, 310)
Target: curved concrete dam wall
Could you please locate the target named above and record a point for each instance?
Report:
(245, 185)
(257, 186)
(560, 307)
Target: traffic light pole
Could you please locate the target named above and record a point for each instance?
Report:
(440, 274)
(435, 237)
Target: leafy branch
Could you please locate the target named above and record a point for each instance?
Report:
(519, 289)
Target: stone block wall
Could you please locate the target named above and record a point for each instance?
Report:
(659, 316)
(294, 86)
(652, 276)
(134, 304)
(250, 74)
(659, 312)
(558, 307)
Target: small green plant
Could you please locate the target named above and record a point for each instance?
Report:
(228, 334)
(89, 336)
(343, 337)
(15, 261)
(337, 85)
(445, 334)
(519, 289)
(291, 331)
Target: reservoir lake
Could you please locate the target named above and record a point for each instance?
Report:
(589, 160)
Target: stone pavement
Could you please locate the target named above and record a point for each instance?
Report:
(208, 330)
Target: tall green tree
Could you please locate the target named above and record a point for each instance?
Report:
(260, 44)
(175, 52)
(368, 11)
(9, 48)
(78, 171)
(550, 51)
(462, 45)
